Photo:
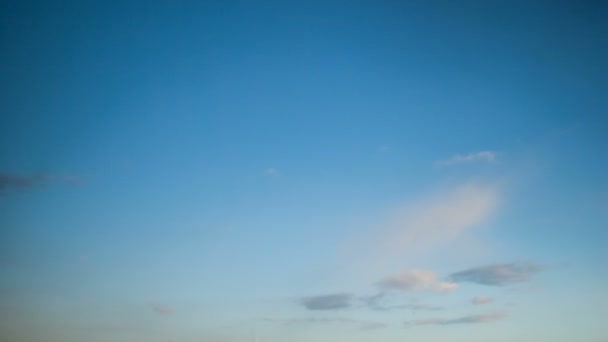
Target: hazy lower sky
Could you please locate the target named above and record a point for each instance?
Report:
(300, 171)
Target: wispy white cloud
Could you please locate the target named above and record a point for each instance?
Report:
(487, 156)
(440, 218)
(416, 280)
(479, 300)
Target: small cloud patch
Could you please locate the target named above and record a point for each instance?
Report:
(271, 172)
(480, 300)
(328, 302)
(162, 309)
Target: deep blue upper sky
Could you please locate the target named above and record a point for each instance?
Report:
(197, 170)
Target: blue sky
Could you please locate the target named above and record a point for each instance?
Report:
(303, 171)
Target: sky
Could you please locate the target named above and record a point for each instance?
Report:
(300, 171)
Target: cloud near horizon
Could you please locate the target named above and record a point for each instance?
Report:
(482, 318)
(487, 156)
(361, 324)
(498, 274)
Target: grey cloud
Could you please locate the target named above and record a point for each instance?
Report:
(22, 182)
(483, 318)
(490, 317)
(498, 274)
(328, 302)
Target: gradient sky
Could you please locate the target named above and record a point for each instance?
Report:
(326, 171)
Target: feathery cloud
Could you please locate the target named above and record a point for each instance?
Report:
(488, 156)
(440, 219)
(498, 274)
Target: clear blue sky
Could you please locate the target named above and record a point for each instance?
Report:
(323, 171)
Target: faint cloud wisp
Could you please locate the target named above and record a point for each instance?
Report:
(482, 318)
(162, 309)
(416, 280)
(440, 219)
(487, 156)
(22, 182)
(480, 300)
(272, 172)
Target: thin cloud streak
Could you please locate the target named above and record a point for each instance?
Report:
(416, 280)
(377, 303)
(16, 182)
(360, 324)
(487, 156)
(482, 318)
(480, 300)
(498, 274)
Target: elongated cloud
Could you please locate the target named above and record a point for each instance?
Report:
(441, 218)
(22, 182)
(483, 318)
(416, 280)
(360, 324)
(328, 302)
(487, 156)
(498, 274)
